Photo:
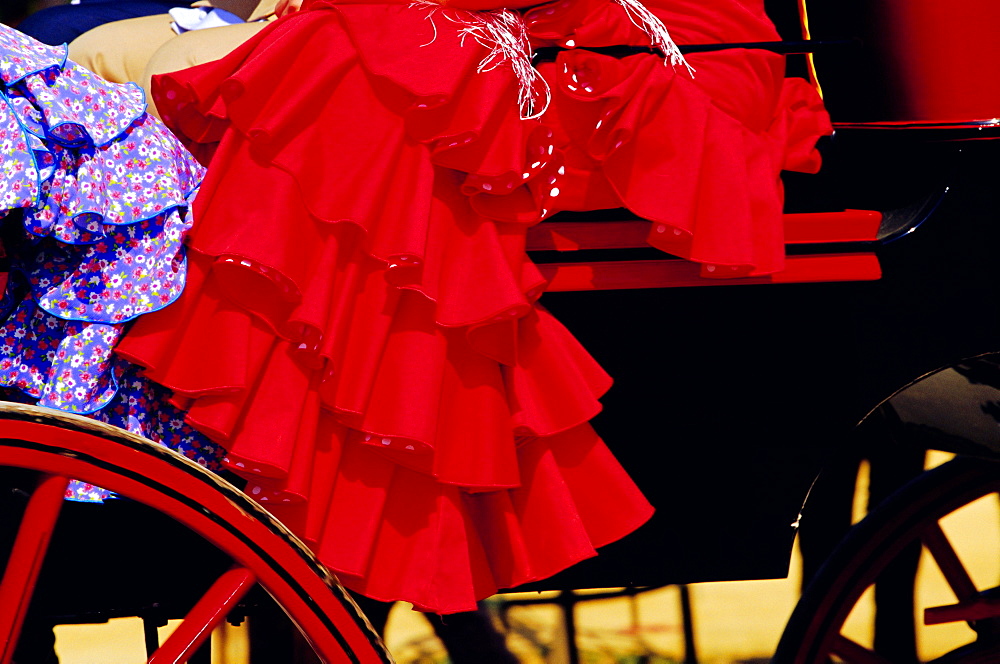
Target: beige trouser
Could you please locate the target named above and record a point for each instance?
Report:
(137, 48)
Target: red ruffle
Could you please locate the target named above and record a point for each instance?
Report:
(359, 326)
(699, 156)
(363, 341)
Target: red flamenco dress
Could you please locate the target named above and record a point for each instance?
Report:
(360, 326)
(699, 155)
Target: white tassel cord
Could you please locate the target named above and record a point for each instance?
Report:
(503, 32)
(649, 23)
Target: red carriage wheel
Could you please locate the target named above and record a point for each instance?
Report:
(206, 523)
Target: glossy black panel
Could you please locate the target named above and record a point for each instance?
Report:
(956, 409)
(728, 401)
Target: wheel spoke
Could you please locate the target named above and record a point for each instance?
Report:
(855, 653)
(210, 610)
(979, 608)
(881, 547)
(26, 558)
(947, 560)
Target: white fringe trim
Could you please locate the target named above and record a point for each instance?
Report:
(649, 23)
(504, 33)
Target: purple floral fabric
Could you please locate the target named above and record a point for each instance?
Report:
(18, 174)
(96, 195)
(22, 56)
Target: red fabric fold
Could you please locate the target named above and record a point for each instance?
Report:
(363, 335)
(701, 156)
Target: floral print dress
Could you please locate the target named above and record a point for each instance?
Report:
(94, 196)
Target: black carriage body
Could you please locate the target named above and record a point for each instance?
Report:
(729, 400)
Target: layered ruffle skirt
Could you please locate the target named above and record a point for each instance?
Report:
(699, 155)
(360, 326)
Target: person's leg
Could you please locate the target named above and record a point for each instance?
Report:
(893, 464)
(119, 51)
(194, 48)
(264, 9)
(471, 638)
(64, 23)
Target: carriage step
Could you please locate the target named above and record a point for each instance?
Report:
(622, 275)
(841, 242)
